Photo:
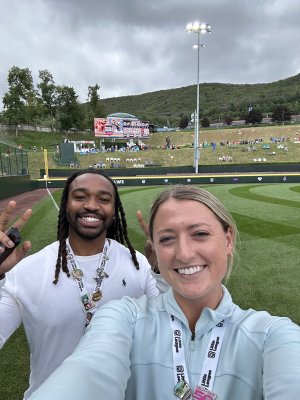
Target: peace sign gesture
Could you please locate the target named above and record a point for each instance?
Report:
(148, 248)
(6, 243)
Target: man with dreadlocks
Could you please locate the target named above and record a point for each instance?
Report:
(56, 291)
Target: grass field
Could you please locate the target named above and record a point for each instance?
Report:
(266, 276)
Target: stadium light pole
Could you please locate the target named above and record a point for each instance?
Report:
(197, 27)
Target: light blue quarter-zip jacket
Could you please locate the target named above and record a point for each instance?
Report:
(127, 353)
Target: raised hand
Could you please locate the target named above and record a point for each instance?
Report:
(148, 248)
(5, 241)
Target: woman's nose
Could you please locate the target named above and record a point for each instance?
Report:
(184, 250)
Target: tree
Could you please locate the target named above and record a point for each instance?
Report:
(228, 119)
(205, 122)
(253, 116)
(20, 86)
(95, 109)
(184, 121)
(69, 111)
(35, 108)
(48, 94)
(281, 113)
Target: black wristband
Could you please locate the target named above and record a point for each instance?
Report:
(2, 276)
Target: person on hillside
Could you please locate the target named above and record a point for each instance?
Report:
(56, 291)
(191, 342)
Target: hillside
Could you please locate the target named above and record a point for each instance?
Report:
(216, 100)
(238, 145)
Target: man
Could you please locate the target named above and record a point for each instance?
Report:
(56, 291)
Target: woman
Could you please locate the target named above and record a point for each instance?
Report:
(192, 340)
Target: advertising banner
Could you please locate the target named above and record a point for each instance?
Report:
(119, 128)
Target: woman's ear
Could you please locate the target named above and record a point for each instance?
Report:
(229, 241)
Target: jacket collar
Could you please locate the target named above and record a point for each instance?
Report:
(208, 319)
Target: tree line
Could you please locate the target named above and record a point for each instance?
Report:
(47, 104)
(280, 114)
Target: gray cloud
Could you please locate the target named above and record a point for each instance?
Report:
(137, 46)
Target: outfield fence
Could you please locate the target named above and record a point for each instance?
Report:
(13, 161)
(24, 127)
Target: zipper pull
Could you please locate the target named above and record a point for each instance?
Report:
(192, 342)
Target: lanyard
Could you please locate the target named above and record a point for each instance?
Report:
(87, 300)
(211, 359)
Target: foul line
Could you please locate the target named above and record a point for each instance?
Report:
(55, 204)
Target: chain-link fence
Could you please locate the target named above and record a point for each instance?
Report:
(13, 161)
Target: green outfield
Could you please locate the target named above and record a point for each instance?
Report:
(266, 275)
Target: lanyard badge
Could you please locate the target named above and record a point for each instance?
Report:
(88, 300)
(183, 391)
(203, 391)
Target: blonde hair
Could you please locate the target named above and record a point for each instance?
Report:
(183, 192)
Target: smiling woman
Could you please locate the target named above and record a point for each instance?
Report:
(191, 342)
(193, 245)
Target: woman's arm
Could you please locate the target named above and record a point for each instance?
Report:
(100, 365)
(281, 361)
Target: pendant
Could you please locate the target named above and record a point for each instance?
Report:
(77, 273)
(182, 390)
(89, 317)
(97, 295)
(98, 279)
(103, 274)
(87, 302)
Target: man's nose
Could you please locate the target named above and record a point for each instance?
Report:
(92, 204)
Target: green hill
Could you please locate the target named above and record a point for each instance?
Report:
(216, 100)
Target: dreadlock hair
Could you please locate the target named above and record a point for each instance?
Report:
(117, 231)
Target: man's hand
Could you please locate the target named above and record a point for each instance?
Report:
(5, 241)
(144, 226)
(148, 248)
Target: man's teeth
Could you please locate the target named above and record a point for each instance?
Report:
(90, 219)
(190, 270)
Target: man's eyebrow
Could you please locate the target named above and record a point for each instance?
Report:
(85, 190)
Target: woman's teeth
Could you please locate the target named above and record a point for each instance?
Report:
(190, 270)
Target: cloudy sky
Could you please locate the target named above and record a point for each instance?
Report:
(136, 46)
